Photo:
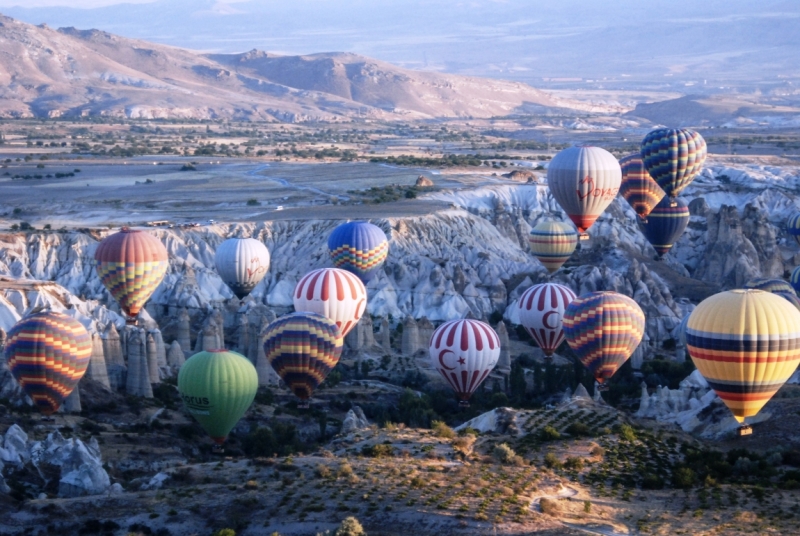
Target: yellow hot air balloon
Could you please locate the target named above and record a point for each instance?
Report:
(746, 344)
(553, 242)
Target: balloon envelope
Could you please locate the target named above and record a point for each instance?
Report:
(358, 247)
(770, 284)
(637, 187)
(673, 157)
(48, 354)
(603, 329)
(333, 293)
(794, 279)
(303, 348)
(217, 387)
(242, 263)
(131, 265)
(584, 181)
(746, 344)
(553, 242)
(541, 312)
(665, 224)
(464, 352)
(793, 226)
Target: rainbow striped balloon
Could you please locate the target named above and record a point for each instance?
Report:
(303, 348)
(673, 157)
(665, 224)
(48, 353)
(794, 279)
(746, 344)
(553, 242)
(603, 328)
(131, 265)
(793, 226)
(637, 187)
(358, 247)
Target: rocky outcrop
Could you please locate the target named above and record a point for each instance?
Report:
(175, 357)
(423, 182)
(72, 404)
(354, 420)
(504, 362)
(385, 335)
(425, 329)
(152, 359)
(79, 465)
(410, 340)
(115, 361)
(97, 370)
(521, 175)
(184, 331)
(361, 336)
(138, 377)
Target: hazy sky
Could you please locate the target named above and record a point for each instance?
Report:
(527, 40)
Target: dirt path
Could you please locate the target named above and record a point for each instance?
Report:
(566, 492)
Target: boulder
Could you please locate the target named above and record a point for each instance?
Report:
(79, 465)
(423, 182)
(354, 420)
(15, 446)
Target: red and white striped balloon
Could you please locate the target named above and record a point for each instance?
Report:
(333, 293)
(464, 352)
(541, 310)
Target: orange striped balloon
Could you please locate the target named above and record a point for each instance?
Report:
(48, 354)
(553, 242)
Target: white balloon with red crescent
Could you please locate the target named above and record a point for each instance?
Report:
(464, 352)
(333, 293)
(541, 311)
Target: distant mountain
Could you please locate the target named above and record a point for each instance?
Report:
(70, 72)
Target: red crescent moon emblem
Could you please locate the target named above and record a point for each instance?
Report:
(545, 317)
(441, 359)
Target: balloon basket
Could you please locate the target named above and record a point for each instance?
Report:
(217, 449)
(583, 237)
(602, 387)
(744, 430)
(463, 403)
(303, 404)
(130, 321)
(673, 203)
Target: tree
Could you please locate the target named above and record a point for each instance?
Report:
(516, 381)
(350, 527)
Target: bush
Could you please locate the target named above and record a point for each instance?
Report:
(463, 444)
(578, 429)
(442, 430)
(350, 527)
(322, 471)
(652, 481)
(225, 532)
(574, 463)
(550, 507)
(377, 451)
(683, 478)
(549, 433)
(551, 461)
(504, 454)
(253, 202)
(626, 433)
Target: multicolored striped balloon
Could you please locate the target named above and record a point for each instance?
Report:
(637, 187)
(131, 265)
(746, 344)
(541, 312)
(553, 242)
(793, 226)
(665, 224)
(790, 297)
(359, 247)
(217, 387)
(242, 263)
(769, 284)
(584, 181)
(303, 348)
(604, 329)
(464, 352)
(673, 157)
(332, 293)
(47, 354)
(794, 279)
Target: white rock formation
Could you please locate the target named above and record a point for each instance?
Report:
(138, 378)
(184, 331)
(152, 358)
(504, 363)
(385, 335)
(15, 446)
(354, 420)
(410, 340)
(81, 465)
(175, 357)
(72, 404)
(97, 370)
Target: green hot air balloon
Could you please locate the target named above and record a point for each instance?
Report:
(217, 387)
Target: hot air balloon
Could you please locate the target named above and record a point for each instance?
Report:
(604, 329)
(552, 242)
(746, 344)
(665, 224)
(242, 263)
(358, 247)
(584, 181)
(793, 226)
(790, 297)
(637, 187)
(217, 387)
(682, 329)
(47, 354)
(769, 284)
(333, 293)
(464, 352)
(794, 279)
(131, 265)
(673, 157)
(541, 310)
(303, 348)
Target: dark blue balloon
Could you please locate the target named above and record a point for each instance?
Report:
(358, 247)
(665, 224)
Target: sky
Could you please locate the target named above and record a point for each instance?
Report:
(680, 41)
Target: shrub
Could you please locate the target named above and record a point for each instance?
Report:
(322, 471)
(597, 450)
(578, 429)
(225, 532)
(683, 477)
(626, 433)
(463, 445)
(551, 461)
(652, 481)
(350, 527)
(345, 470)
(549, 433)
(252, 202)
(442, 430)
(587, 506)
(550, 507)
(504, 454)
(574, 463)
(377, 451)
